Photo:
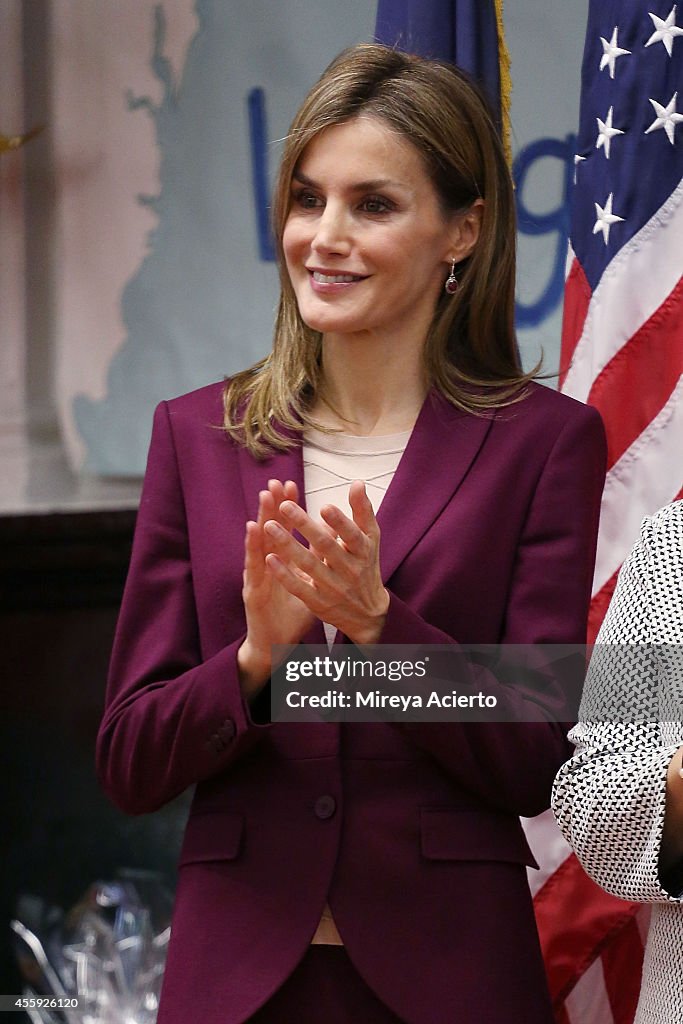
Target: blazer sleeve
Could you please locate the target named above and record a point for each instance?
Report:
(170, 718)
(512, 764)
(609, 799)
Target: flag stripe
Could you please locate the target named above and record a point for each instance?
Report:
(570, 946)
(548, 846)
(599, 605)
(588, 1002)
(643, 919)
(646, 477)
(622, 986)
(577, 297)
(634, 285)
(654, 354)
(600, 600)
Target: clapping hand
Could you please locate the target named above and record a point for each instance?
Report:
(274, 615)
(287, 586)
(338, 577)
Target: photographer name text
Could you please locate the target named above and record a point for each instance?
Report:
(376, 699)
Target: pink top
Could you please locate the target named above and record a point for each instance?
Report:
(331, 463)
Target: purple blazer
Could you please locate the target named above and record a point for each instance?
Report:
(410, 831)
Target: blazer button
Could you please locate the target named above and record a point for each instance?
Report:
(325, 806)
(227, 730)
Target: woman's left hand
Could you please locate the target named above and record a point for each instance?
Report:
(338, 576)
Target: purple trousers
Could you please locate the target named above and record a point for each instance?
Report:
(325, 987)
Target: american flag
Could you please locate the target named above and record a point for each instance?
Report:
(622, 351)
(622, 339)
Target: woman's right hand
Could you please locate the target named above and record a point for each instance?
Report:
(274, 616)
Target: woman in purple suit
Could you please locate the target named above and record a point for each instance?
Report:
(388, 474)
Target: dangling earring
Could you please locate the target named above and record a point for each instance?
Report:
(451, 285)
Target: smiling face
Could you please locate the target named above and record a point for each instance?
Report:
(366, 243)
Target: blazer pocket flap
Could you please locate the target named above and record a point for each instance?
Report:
(210, 836)
(473, 835)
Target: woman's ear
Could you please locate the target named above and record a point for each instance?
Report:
(465, 232)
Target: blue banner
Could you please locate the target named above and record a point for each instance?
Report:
(463, 32)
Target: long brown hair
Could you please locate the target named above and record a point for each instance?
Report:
(470, 353)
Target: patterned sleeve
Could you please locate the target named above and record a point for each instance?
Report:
(609, 799)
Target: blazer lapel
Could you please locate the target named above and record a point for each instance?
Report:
(282, 465)
(442, 447)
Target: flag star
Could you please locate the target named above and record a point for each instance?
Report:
(605, 218)
(577, 160)
(611, 50)
(606, 132)
(665, 31)
(667, 118)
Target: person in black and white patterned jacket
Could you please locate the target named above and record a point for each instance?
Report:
(619, 800)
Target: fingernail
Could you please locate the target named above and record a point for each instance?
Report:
(273, 528)
(288, 508)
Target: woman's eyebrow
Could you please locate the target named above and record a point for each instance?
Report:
(359, 186)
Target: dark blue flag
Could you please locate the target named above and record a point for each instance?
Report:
(464, 32)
